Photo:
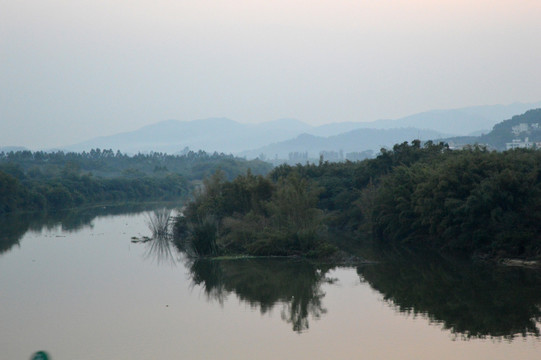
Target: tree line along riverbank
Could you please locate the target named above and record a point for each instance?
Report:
(37, 181)
(473, 202)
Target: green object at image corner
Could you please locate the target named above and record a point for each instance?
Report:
(40, 355)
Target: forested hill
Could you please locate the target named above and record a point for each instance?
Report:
(511, 129)
(519, 128)
(471, 201)
(51, 181)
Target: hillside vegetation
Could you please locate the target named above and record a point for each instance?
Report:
(51, 181)
(502, 132)
(472, 201)
(519, 127)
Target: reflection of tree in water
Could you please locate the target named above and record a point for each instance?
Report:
(159, 247)
(14, 226)
(12, 230)
(264, 283)
(472, 300)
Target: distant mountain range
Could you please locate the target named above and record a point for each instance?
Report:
(7, 149)
(225, 135)
(279, 137)
(472, 120)
(214, 134)
(352, 141)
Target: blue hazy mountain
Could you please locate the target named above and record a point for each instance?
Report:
(7, 149)
(473, 120)
(358, 140)
(214, 134)
(228, 136)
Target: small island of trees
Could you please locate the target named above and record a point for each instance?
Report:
(473, 202)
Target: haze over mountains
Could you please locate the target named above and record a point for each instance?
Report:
(279, 137)
(352, 141)
(472, 120)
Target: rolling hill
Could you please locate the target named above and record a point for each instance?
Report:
(279, 137)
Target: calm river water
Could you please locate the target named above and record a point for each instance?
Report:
(77, 287)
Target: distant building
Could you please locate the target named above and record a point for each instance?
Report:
(297, 157)
(332, 156)
(524, 127)
(457, 146)
(520, 128)
(519, 144)
(359, 156)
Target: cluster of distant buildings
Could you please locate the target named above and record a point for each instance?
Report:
(522, 128)
(330, 156)
(522, 133)
(523, 144)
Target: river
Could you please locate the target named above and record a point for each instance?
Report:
(76, 286)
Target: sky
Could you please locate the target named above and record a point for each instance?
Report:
(73, 70)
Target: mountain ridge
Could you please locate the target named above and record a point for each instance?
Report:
(222, 134)
(358, 140)
(523, 129)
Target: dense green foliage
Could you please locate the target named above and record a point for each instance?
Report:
(66, 192)
(51, 181)
(348, 188)
(252, 215)
(471, 201)
(108, 164)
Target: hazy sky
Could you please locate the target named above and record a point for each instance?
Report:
(71, 70)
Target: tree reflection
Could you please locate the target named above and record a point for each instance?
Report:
(471, 300)
(12, 230)
(265, 283)
(14, 226)
(159, 247)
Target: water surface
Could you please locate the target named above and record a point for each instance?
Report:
(78, 288)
